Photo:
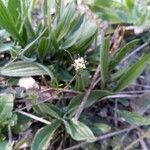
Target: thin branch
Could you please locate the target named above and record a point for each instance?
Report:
(143, 144)
(60, 90)
(46, 100)
(97, 81)
(136, 141)
(134, 92)
(34, 117)
(60, 145)
(115, 113)
(125, 136)
(9, 134)
(121, 96)
(135, 51)
(144, 86)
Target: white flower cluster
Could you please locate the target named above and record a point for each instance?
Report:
(79, 63)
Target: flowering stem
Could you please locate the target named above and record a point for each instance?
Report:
(71, 81)
(86, 96)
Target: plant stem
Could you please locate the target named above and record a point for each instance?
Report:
(86, 96)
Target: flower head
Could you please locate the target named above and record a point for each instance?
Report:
(79, 63)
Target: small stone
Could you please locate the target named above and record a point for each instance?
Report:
(27, 83)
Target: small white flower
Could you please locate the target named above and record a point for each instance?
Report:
(79, 63)
(27, 82)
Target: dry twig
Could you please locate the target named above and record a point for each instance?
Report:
(146, 135)
(135, 51)
(34, 117)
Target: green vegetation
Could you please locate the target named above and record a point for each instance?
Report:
(82, 67)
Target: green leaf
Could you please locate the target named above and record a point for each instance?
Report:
(102, 127)
(94, 97)
(5, 47)
(135, 118)
(42, 48)
(105, 3)
(50, 110)
(122, 52)
(7, 22)
(65, 21)
(117, 75)
(125, 11)
(64, 74)
(130, 4)
(82, 80)
(22, 123)
(24, 69)
(14, 8)
(5, 146)
(106, 10)
(88, 35)
(109, 14)
(104, 60)
(32, 44)
(73, 38)
(6, 107)
(44, 135)
(54, 42)
(132, 73)
(46, 9)
(79, 131)
(29, 29)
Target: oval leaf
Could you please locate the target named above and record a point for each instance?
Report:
(135, 118)
(50, 110)
(24, 69)
(122, 52)
(42, 48)
(82, 80)
(100, 127)
(6, 107)
(79, 131)
(43, 137)
(7, 22)
(130, 4)
(5, 145)
(132, 73)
